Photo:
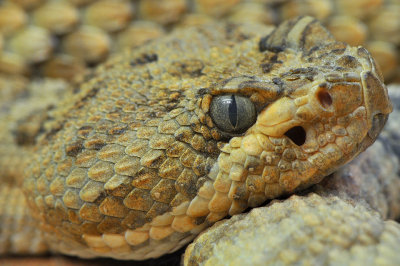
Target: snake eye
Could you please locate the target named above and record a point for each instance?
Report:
(233, 113)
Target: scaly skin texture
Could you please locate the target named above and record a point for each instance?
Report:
(134, 167)
(311, 230)
(22, 119)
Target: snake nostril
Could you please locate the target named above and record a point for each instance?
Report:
(297, 135)
(324, 98)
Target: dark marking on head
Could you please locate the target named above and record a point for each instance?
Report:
(269, 62)
(312, 50)
(203, 91)
(302, 72)
(339, 69)
(304, 34)
(226, 81)
(173, 104)
(73, 149)
(278, 82)
(338, 51)
(309, 76)
(276, 41)
(264, 46)
(314, 34)
(144, 59)
(254, 84)
(190, 67)
(270, 90)
(322, 51)
(266, 67)
(348, 61)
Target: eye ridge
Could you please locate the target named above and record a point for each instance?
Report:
(232, 109)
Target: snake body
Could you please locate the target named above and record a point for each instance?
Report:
(136, 164)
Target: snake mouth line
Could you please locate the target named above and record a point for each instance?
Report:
(297, 134)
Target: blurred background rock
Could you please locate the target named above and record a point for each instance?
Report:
(62, 38)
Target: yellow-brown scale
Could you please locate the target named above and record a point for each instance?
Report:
(135, 165)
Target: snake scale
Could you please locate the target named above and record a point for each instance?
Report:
(164, 140)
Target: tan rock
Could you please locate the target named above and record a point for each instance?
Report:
(12, 18)
(162, 11)
(33, 44)
(57, 17)
(348, 29)
(109, 15)
(300, 230)
(90, 44)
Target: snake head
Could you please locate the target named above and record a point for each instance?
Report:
(319, 103)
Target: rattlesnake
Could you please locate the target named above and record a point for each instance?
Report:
(164, 140)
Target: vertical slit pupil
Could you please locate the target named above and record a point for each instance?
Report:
(233, 112)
